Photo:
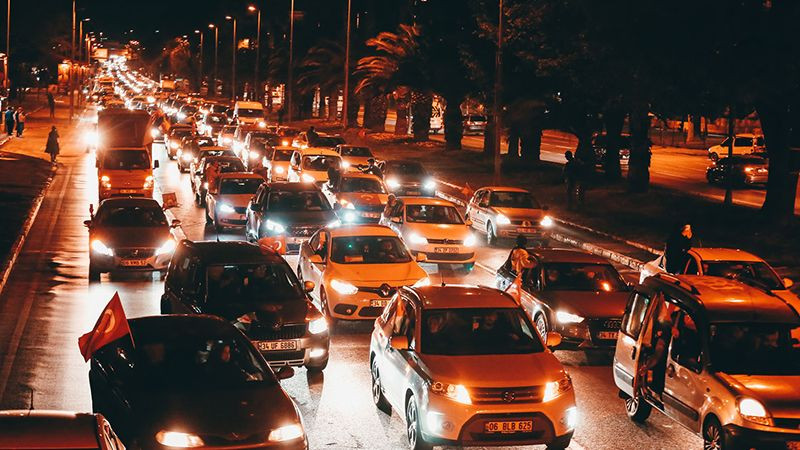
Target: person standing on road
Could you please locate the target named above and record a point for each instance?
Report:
(573, 177)
(372, 168)
(281, 112)
(676, 250)
(212, 173)
(52, 145)
(51, 103)
(9, 118)
(20, 117)
(312, 136)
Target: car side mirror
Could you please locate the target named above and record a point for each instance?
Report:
(397, 219)
(309, 286)
(315, 259)
(484, 204)
(422, 257)
(87, 223)
(398, 342)
(553, 339)
(286, 372)
(468, 222)
(787, 283)
(155, 164)
(175, 223)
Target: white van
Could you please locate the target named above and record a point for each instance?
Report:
(249, 113)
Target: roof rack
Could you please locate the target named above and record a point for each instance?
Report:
(677, 282)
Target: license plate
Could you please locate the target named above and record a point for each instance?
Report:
(379, 302)
(127, 191)
(607, 335)
(515, 426)
(371, 215)
(446, 249)
(272, 346)
(295, 240)
(133, 262)
(526, 230)
(414, 193)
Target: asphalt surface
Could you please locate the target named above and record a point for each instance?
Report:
(48, 303)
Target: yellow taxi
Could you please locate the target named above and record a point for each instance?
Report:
(356, 270)
(361, 196)
(276, 162)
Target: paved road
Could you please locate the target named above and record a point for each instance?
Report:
(48, 303)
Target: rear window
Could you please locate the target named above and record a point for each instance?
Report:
(126, 160)
(356, 151)
(282, 155)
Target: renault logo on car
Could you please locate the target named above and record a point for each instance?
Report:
(509, 396)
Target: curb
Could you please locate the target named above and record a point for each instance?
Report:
(16, 248)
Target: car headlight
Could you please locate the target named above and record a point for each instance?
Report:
(187, 157)
(285, 143)
(429, 185)
(226, 208)
(503, 220)
(92, 138)
(554, 389)
(334, 223)
(151, 99)
(318, 326)
(422, 282)
(455, 392)
(181, 116)
(148, 182)
(226, 140)
(179, 439)
(546, 222)
(286, 433)
(254, 155)
(565, 317)
(275, 227)
(279, 169)
(470, 241)
(173, 144)
(262, 125)
(753, 410)
(414, 238)
(166, 248)
(392, 183)
(345, 164)
(343, 287)
(349, 216)
(307, 178)
(99, 247)
(346, 204)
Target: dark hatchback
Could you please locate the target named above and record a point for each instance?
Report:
(404, 177)
(192, 381)
(256, 290)
(739, 170)
(580, 295)
(292, 210)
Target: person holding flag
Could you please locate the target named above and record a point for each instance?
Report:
(110, 326)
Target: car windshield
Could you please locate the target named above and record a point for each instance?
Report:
(181, 133)
(328, 141)
(282, 155)
(251, 285)
(204, 142)
(759, 272)
(130, 216)
(227, 165)
(321, 162)
(356, 151)
(582, 277)
(126, 160)
(477, 331)
(296, 201)
(513, 200)
(359, 184)
(405, 168)
(206, 153)
(237, 186)
(441, 214)
(755, 348)
(369, 250)
(216, 118)
(246, 112)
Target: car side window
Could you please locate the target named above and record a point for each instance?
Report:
(691, 267)
(314, 241)
(404, 320)
(686, 345)
(634, 314)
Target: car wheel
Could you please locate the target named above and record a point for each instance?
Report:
(377, 390)
(541, 325)
(637, 408)
(560, 443)
(713, 435)
(326, 309)
(713, 156)
(491, 237)
(415, 440)
(318, 367)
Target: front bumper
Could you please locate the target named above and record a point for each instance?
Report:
(534, 234)
(445, 253)
(358, 216)
(756, 178)
(129, 262)
(740, 437)
(231, 219)
(589, 334)
(366, 304)
(316, 344)
(125, 192)
(445, 422)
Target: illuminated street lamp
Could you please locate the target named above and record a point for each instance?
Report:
(256, 86)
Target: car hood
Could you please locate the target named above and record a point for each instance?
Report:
(438, 230)
(589, 304)
(235, 200)
(780, 394)
(356, 160)
(221, 412)
(131, 237)
(398, 274)
(362, 198)
(404, 179)
(534, 215)
(294, 218)
(492, 370)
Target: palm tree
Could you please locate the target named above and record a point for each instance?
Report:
(322, 68)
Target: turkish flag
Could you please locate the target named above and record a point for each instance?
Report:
(515, 289)
(111, 325)
(274, 243)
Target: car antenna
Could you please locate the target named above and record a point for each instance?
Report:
(30, 403)
(441, 274)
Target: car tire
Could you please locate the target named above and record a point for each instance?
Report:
(560, 443)
(94, 274)
(714, 156)
(318, 367)
(326, 309)
(541, 325)
(377, 390)
(491, 236)
(637, 408)
(413, 431)
(713, 435)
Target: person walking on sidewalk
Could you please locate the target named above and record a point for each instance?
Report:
(677, 247)
(51, 102)
(573, 177)
(52, 145)
(20, 118)
(9, 118)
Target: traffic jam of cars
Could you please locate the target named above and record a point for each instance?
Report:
(714, 348)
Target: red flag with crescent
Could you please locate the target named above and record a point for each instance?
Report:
(111, 325)
(273, 243)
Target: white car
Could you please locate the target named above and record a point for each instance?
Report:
(310, 165)
(743, 144)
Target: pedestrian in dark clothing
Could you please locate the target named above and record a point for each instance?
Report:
(281, 113)
(52, 145)
(574, 179)
(676, 250)
(333, 176)
(51, 102)
(372, 168)
(9, 118)
(312, 136)
(20, 117)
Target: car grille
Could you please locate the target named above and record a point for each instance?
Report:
(234, 439)
(446, 241)
(277, 359)
(450, 256)
(266, 333)
(527, 394)
(370, 311)
(525, 223)
(383, 291)
(787, 423)
(303, 231)
(130, 253)
(240, 209)
(371, 208)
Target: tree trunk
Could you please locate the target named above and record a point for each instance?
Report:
(531, 148)
(614, 121)
(513, 142)
(584, 151)
(782, 182)
(401, 122)
(421, 110)
(453, 123)
(375, 112)
(488, 136)
(639, 163)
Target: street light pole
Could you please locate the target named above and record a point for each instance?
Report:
(233, 68)
(289, 77)
(6, 80)
(256, 81)
(498, 73)
(200, 62)
(216, 56)
(346, 91)
(72, 67)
